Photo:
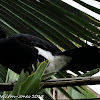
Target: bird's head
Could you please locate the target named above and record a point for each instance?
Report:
(2, 33)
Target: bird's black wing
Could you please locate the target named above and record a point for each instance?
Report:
(32, 41)
(35, 41)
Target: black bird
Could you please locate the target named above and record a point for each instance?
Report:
(22, 50)
(19, 51)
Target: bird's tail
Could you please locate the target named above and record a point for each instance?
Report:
(82, 59)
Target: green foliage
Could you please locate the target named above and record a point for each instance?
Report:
(32, 83)
(27, 85)
(23, 76)
(84, 94)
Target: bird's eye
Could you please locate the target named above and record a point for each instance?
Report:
(31, 44)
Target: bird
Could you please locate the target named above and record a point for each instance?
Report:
(20, 51)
